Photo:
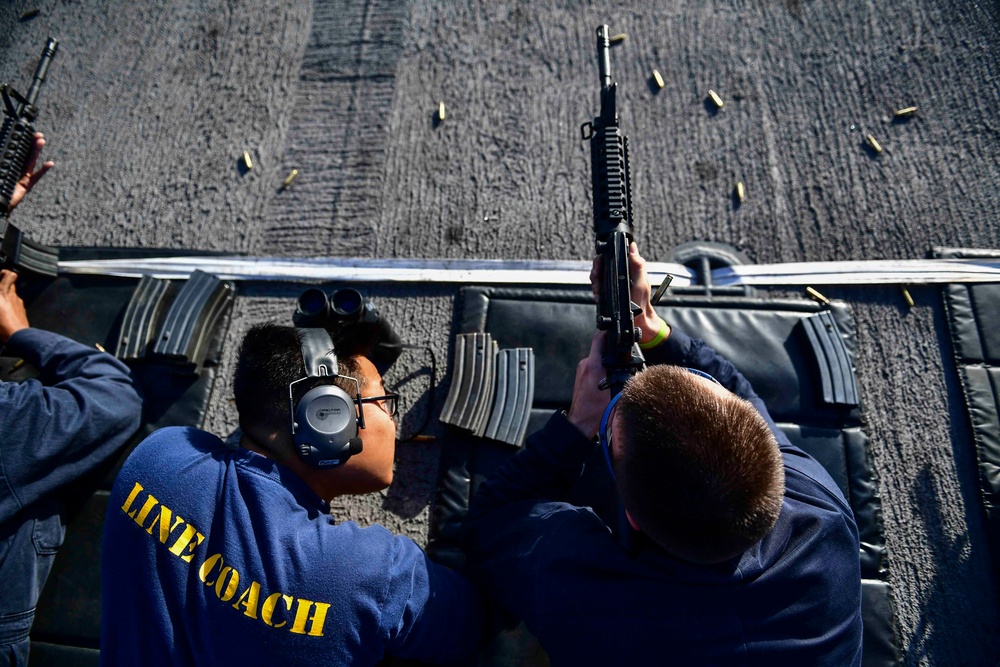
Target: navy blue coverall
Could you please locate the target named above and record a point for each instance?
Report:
(54, 430)
(794, 598)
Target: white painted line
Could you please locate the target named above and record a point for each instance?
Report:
(462, 271)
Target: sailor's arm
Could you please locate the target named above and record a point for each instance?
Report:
(59, 427)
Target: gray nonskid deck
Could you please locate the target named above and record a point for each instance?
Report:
(149, 106)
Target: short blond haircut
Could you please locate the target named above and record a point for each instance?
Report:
(701, 474)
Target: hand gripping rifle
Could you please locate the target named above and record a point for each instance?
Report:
(17, 137)
(613, 229)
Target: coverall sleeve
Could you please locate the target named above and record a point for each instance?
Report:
(61, 426)
(544, 470)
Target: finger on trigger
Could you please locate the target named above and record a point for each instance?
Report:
(596, 343)
(636, 265)
(633, 250)
(595, 276)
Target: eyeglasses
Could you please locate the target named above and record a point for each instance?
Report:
(605, 431)
(389, 403)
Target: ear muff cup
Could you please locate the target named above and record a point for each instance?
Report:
(326, 427)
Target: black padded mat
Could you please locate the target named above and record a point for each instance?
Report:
(974, 325)
(768, 341)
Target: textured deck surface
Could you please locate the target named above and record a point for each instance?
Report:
(149, 106)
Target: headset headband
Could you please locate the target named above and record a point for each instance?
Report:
(317, 352)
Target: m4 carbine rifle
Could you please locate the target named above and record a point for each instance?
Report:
(613, 225)
(17, 137)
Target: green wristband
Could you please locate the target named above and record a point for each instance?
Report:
(660, 336)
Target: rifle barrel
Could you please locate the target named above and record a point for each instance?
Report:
(48, 53)
(604, 56)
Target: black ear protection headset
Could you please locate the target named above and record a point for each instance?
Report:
(325, 421)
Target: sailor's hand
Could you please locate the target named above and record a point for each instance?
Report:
(589, 401)
(30, 176)
(13, 317)
(641, 292)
